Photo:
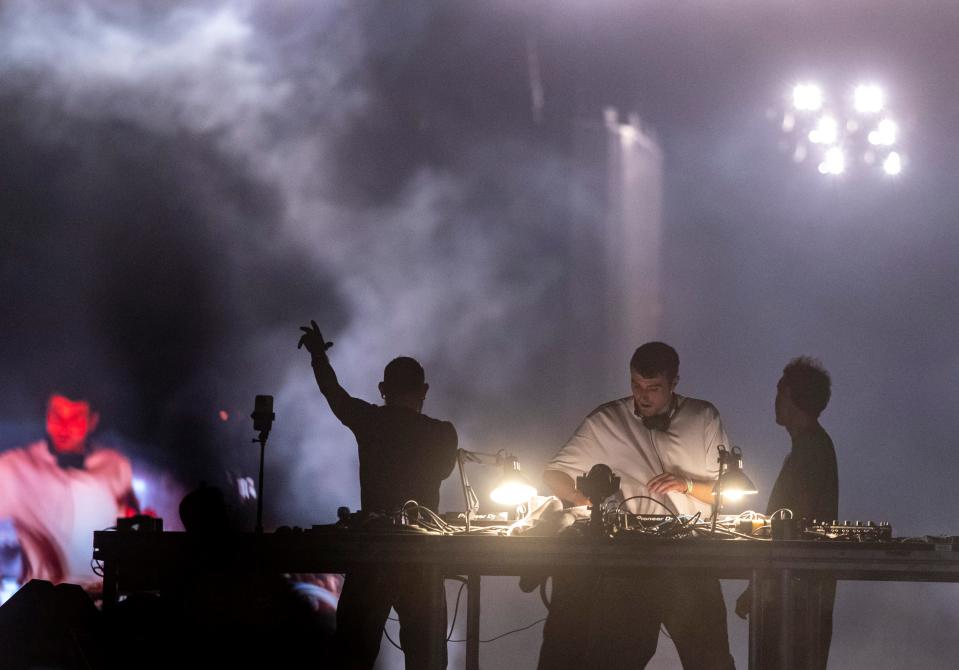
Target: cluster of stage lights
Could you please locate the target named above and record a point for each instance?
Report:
(839, 137)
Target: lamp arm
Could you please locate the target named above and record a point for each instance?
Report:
(479, 457)
(472, 502)
(723, 464)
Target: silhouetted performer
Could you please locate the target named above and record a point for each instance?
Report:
(404, 455)
(808, 486)
(663, 446)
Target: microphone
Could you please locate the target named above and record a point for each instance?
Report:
(263, 415)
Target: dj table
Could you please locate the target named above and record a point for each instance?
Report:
(138, 560)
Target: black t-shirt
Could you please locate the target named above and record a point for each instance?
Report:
(404, 455)
(808, 483)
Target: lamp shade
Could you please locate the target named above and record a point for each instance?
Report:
(736, 485)
(733, 483)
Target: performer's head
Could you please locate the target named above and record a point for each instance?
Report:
(204, 511)
(653, 374)
(803, 391)
(404, 383)
(69, 423)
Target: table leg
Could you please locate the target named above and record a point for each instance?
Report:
(437, 608)
(757, 613)
(472, 621)
(786, 620)
(111, 586)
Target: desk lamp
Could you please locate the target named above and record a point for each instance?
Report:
(512, 488)
(732, 483)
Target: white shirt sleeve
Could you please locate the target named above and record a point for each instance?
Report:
(579, 453)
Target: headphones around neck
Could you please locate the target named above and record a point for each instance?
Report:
(68, 460)
(662, 421)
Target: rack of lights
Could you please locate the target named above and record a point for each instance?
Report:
(856, 130)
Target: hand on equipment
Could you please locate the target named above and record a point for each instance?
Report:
(669, 482)
(313, 340)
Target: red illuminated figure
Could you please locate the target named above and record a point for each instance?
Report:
(69, 423)
(58, 491)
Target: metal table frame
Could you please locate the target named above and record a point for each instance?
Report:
(134, 560)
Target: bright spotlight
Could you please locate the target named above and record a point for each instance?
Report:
(834, 162)
(807, 97)
(627, 134)
(840, 133)
(893, 164)
(825, 132)
(868, 99)
(885, 134)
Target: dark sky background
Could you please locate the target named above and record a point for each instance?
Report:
(182, 186)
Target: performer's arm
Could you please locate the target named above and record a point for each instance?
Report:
(580, 452)
(329, 385)
(344, 405)
(563, 487)
(702, 489)
(699, 489)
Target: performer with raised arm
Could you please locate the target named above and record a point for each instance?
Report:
(404, 455)
(664, 448)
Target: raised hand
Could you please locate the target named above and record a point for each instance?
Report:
(313, 340)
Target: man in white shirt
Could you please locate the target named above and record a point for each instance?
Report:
(59, 490)
(664, 448)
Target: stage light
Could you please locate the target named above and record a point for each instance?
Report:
(885, 133)
(807, 97)
(825, 132)
(834, 162)
(868, 99)
(627, 134)
(854, 131)
(893, 164)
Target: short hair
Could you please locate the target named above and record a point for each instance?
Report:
(403, 375)
(809, 384)
(204, 510)
(655, 358)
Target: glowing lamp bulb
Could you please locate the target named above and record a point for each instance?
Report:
(512, 492)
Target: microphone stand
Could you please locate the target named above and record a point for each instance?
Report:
(263, 418)
(264, 434)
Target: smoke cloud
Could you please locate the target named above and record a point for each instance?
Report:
(185, 185)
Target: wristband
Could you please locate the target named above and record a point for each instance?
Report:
(689, 485)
